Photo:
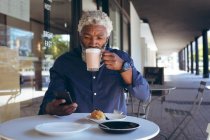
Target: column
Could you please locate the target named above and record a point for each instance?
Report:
(196, 57)
(205, 55)
(192, 58)
(76, 14)
(188, 69)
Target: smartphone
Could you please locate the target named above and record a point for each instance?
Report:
(64, 95)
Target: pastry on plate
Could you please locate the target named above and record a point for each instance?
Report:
(98, 115)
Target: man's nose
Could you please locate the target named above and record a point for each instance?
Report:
(93, 43)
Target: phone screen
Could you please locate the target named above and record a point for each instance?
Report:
(64, 95)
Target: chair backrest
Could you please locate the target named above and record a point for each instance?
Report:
(198, 98)
(138, 107)
(143, 108)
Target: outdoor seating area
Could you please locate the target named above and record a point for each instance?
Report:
(182, 97)
(104, 66)
(188, 115)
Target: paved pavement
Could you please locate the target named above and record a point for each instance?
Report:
(186, 87)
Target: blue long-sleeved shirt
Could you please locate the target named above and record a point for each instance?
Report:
(102, 90)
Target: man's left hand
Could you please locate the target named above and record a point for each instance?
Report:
(112, 60)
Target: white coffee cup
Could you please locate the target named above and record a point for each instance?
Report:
(93, 58)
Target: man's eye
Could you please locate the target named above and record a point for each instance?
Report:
(100, 38)
(86, 37)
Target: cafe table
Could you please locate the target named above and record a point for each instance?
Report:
(23, 129)
(166, 91)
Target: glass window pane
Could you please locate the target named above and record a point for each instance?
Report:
(115, 36)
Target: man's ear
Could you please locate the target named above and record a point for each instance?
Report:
(105, 45)
(107, 39)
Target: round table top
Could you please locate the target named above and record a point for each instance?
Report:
(161, 87)
(23, 128)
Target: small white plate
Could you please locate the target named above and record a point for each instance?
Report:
(111, 116)
(61, 128)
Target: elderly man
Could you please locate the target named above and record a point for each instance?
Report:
(103, 89)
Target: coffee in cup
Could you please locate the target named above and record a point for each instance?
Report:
(93, 58)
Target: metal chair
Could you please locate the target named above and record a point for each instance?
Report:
(143, 108)
(139, 108)
(187, 115)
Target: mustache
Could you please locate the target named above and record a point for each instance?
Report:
(93, 46)
(104, 46)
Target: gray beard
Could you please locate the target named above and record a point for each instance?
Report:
(83, 52)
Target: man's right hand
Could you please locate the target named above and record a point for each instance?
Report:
(54, 108)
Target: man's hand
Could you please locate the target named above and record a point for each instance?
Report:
(54, 108)
(112, 60)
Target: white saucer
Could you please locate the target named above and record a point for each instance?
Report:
(111, 116)
(61, 128)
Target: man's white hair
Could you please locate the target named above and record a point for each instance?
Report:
(95, 17)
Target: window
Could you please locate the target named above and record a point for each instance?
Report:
(115, 41)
